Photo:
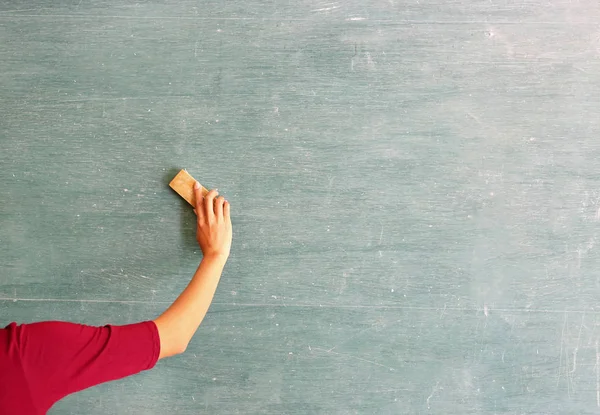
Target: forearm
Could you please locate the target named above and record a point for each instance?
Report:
(179, 322)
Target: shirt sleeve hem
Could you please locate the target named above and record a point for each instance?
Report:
(156, 344)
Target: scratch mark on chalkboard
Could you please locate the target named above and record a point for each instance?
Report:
(562, 338)
(568, 375)
(353, 57)
(325, 9)
(390, 390)
(329, 191)
(577, 346)
(353, 357)
(597, 376)
(381, 235)
(352, 337)
(20, 10)
(370, 61)
(265, 19)
(470, 114)
(323, 306)
(435, 389)
(331, 179)
(443, 311)
(71, 300)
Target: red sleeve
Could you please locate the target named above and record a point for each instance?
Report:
(60, 358)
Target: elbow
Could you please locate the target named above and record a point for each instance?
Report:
(172, 349)
(180, 348)
(171, 342)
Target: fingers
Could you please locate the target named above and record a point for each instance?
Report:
(199, 211)
(211, 206)
(219, 207)
(209, 203)
(227, 211)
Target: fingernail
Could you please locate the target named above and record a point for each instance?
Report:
(196, 185)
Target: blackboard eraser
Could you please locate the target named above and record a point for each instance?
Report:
(183, 184)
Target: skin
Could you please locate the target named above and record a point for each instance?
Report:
(177, 325)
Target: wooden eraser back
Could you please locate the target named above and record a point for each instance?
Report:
(183, 184)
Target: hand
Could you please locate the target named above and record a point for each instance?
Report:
(213, 230)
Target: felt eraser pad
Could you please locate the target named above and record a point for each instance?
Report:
(183, 184)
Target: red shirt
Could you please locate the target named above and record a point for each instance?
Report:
(41, 363)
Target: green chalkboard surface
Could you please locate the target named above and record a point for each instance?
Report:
(415, 192)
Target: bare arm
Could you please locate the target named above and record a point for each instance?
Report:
(179, 322)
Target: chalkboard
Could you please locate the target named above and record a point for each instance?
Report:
(414, 188)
